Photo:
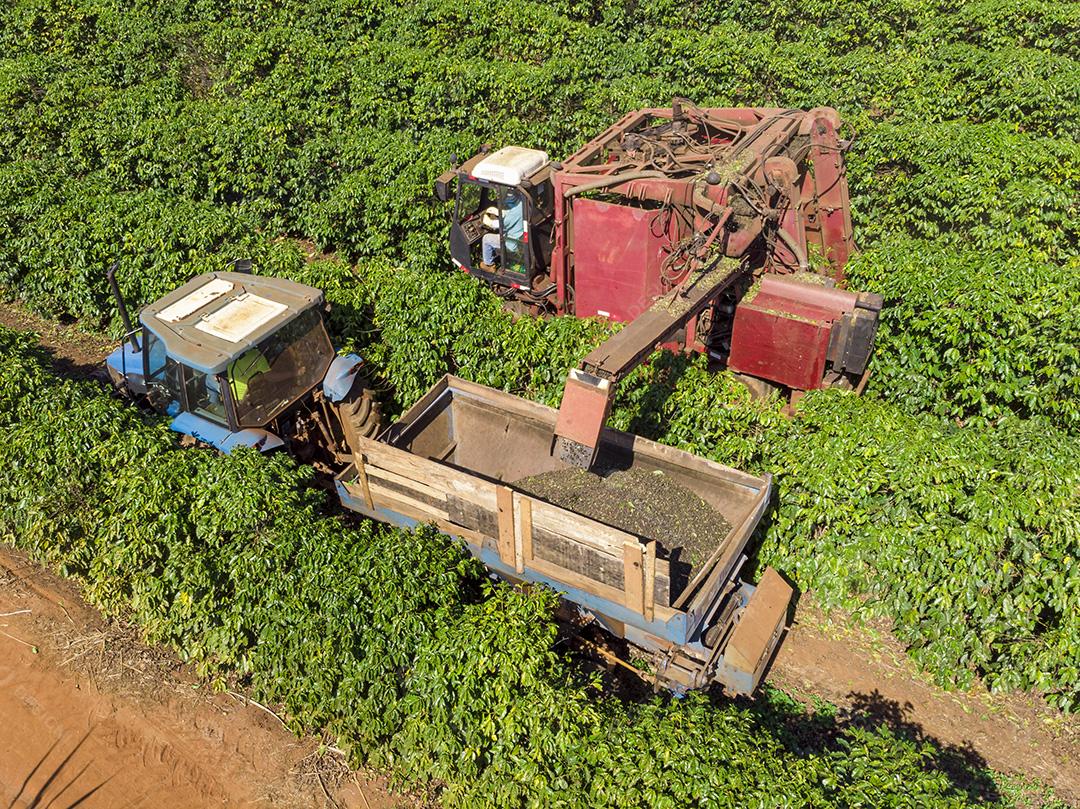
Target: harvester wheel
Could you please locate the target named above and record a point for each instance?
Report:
(759, 388)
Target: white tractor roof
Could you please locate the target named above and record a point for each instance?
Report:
(510, 165)
(214, 318)
(241, 317)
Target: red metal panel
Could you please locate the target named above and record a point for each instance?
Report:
(617, 257)
(832, 299)
(830, 180)
(778, 346)
(793, 307)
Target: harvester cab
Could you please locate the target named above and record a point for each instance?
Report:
(244, 360)
(501, 218)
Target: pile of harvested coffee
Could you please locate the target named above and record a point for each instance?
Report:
(648, 504)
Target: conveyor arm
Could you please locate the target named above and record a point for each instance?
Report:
(590, 388)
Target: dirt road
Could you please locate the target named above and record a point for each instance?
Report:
(864, 670)
(87, 711)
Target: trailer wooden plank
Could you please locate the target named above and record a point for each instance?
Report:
(593, 587)
(411, 509)
(507, 402)
(582, 529)
(604, 568)
(472, 516)
(578, 581)
(418, 486)
(473, 537)
(418, 509)
(505, 499)
(462, 484)
(407, 488)
(407, 508)
(572, 555)
(633, 577)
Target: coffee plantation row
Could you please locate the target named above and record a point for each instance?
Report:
(396, 641)
(178, 134)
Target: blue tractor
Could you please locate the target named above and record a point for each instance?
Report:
(245, 360)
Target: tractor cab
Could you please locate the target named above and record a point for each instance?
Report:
(500, 227)
(229, 354)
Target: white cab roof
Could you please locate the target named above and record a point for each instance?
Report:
(194, 301)
(241, 317)
(510, 165)
(216, 317)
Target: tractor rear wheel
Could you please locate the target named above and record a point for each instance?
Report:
(361, 417)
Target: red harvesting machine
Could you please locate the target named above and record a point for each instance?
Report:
(719, 230)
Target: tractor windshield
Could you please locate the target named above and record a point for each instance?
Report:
(271, 376)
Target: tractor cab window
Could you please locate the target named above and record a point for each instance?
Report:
(162, 373)
(204, 395)
(155, 356)
(269, 377)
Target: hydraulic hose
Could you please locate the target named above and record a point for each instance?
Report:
(800, 254)
(614, 179)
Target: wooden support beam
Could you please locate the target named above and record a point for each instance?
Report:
(361, 473)
(525, 535)
(650, 581)
(633, 577)
(505, 503)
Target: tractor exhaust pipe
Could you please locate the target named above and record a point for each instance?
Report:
(121, 306)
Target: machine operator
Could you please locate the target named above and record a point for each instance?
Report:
(513, 228)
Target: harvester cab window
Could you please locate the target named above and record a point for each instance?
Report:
(470, 223)
(471, 200)
(286, 365)
(512, 214)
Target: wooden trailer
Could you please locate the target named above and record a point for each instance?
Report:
(453, 459)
